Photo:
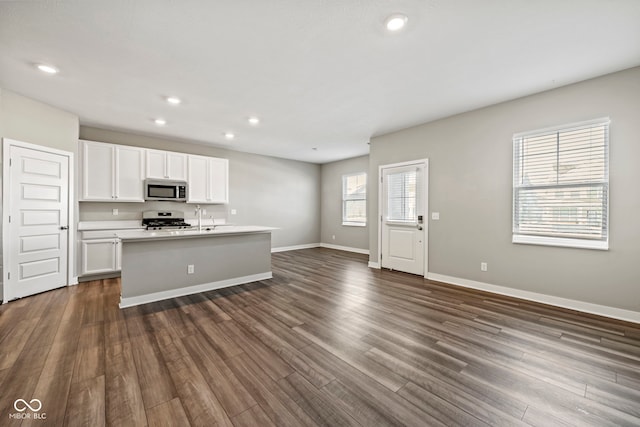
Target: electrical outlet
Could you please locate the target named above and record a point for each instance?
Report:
(333, 237)
(114, 211)
(233, 211)
(191, 269)
(435, 216)
(483, 266)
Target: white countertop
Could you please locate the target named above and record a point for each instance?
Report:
(220, 230)
(109, 225)
(137, 224)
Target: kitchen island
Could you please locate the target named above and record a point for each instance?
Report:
(157, 265)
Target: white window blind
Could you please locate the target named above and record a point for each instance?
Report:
(401, 196)
(561, 186)
(354, 199)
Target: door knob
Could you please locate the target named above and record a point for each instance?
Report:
(419, 227)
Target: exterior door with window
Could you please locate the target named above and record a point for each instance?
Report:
(403, 231)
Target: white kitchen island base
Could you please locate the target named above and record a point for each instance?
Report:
(156, 267)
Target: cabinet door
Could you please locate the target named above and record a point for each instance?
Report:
(219, 180)
(98, 256)
(97, 171)
(198, 179)
(156, 164)
(129, 174)
(176, 166)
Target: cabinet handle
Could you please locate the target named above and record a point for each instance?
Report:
(64, 227)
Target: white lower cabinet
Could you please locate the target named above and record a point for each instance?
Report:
(100, 256)
(100, 252)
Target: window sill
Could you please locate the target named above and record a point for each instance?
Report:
(355, 224)
(561, 242)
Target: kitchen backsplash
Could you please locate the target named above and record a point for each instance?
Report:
(101, 211)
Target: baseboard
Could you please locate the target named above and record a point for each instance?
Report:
(374, 265)
(295, 248)
(345, 248)
(586, 307)
(174, 293)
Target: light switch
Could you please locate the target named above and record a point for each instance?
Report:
(233, 212)
(435, 216)
(114, 211)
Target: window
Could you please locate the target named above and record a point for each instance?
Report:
(354, 199)
(402, 196)
(561, 186)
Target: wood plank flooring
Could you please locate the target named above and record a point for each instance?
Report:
(326, 342)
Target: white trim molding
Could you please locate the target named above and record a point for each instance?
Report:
(295, 248)
(374, 265)
(190, 290)
(345, 248)
(586, 307)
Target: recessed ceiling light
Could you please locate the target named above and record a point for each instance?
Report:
(229, 135)
(160, 122)
(174, 100)
(253, 120)
(49, 69)
(396, 22)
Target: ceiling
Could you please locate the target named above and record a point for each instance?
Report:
(323, 76)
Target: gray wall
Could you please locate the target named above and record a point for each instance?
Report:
(31, 121)
(331, 205)
(264, 190)
(26, 120)
(470, 159)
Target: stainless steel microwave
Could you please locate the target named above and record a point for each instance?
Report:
(166, 190)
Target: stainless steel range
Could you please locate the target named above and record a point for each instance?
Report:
(164, 220)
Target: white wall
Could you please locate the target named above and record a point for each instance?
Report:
(264, 190)
(470, 161)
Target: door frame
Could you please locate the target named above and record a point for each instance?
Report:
(425, 207)
(7, 143)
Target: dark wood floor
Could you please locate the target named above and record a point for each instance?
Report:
(328, 342)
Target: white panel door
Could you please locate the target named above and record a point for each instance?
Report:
(38, 224)
(403, 234)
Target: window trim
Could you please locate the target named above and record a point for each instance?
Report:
(579, 243)
(345, 222)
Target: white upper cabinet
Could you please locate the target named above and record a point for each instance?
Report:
(116, 173)
(208, 180)
(198, 190)
(98, 167)
(166, 165)
(219, 180)
(129, 176)
(111, 172)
